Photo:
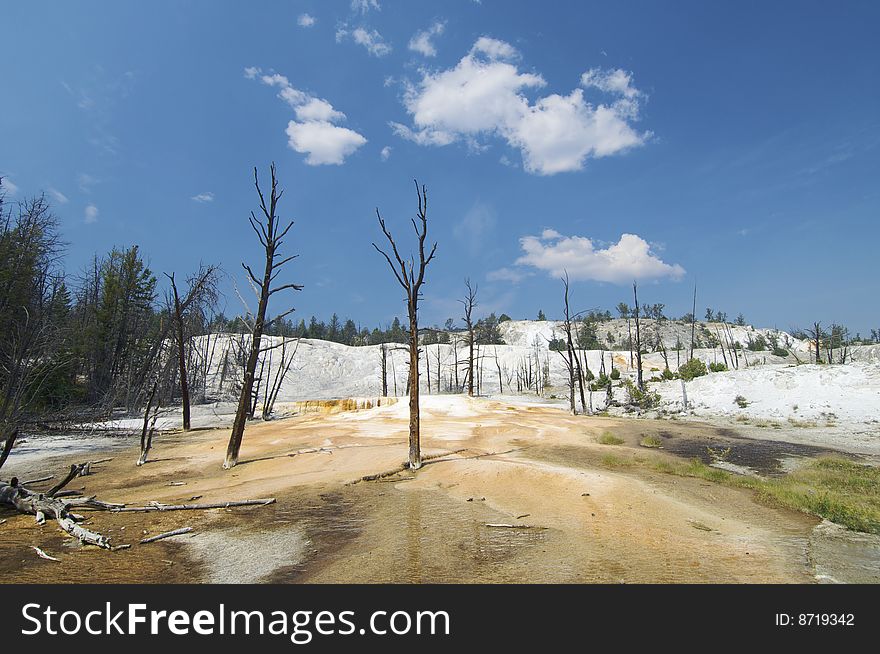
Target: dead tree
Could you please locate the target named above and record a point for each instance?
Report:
(271, 236)
(816, 333)
(455, 362)
(498, 368)
(469, 302)
(7, 446)
(46, 505)
(383, 355)
(438, 370)
(638, 339)
(202, 289)
(411, 278)
(274, 388)
(148, 427)
(569, 356)
(693, 323)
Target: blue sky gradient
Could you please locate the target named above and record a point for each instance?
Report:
(755, 172)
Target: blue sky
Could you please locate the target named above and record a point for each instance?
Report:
(731, 144)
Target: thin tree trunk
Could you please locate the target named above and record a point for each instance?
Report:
(638, 340)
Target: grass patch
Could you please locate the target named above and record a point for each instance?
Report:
(651, 441)
(612, 461)
(805, 424)
(837, 489)
(607, 438)
(842, 491)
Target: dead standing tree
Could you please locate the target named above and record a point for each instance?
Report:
(411, 278)
(202, 291)
(469, 303)
(271, 236)
(636, 312)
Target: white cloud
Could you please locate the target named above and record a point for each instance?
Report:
(484, 95)
(631, 258)
(305, 20)
(386, 153)
(494, 48)
(324, 142)
(58, 196)
(610, 81)
(203, 197)
(318, 109)
(7, 186)
(421, 41)
(363, 6)
(370, 39)
(91, 214)
(314, 132)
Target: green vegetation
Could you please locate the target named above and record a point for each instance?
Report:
(651, 441)
(644, 399)
(691, 369)
(607, 438)
(717, 367)
(837, 489)
(740, 401)
(759, 344)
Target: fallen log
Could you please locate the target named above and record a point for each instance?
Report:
(75, 471)
(37, 480)
(157, 506)
(167, 534)
(42, 506)
(504, 525)
(42, 554)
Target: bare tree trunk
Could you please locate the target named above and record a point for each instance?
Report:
(693, 323)
(570, 362)
(469, 302)
(412, 281)
(7, 446)
(415, 455)
(383, 351)
(638, 340)
(498, 366)
(181, 354)
(438, 370)
(271, 237)
(147, 430)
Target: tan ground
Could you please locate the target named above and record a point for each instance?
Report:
(532, 467)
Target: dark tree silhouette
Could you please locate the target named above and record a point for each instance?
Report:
(411, 277)
(271, 236)
(469, 303)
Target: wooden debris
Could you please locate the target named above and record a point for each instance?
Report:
(42, 554)
(504, 525)
(167, 534)
(37, 480)
(157, 506)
